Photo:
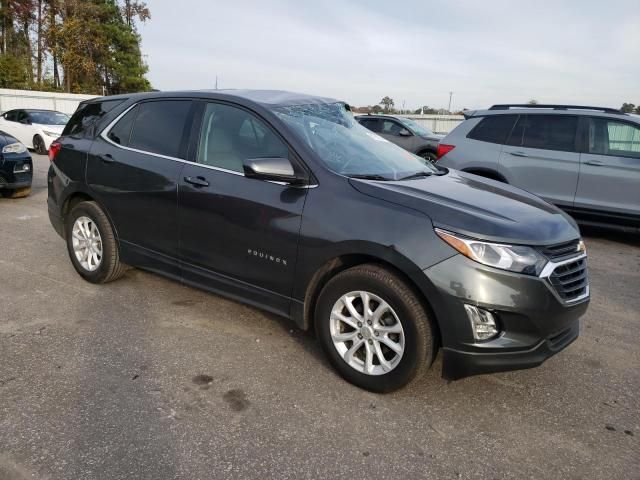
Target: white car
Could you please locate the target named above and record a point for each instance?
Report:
(36, 129)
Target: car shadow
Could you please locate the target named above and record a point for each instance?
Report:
(628, 238)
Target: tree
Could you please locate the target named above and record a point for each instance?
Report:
(638, 109)
(533, 101)
(627, 108)
(387, 102)
(426, 110)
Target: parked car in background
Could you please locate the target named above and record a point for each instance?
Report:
(36, 129)
(405, 133)
(285, 202)
(583, 159)
(16, 167)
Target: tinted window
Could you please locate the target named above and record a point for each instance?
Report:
(610, 137)
(159, 127)
(229, 135)
(548, 132)
(49, 118)
(87, 115)
(372, 124)
(494, 129)
(12, 116)
(22, 116)
(121, 131)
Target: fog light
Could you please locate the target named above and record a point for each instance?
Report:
(483, 324)
(25, 167)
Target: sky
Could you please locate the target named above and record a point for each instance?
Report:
(485, 52)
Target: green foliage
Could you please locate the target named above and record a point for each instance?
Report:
(628, 108)
(88, 46)
(387, 102)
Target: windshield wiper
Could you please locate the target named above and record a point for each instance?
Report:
(369, 177)
(420, 174)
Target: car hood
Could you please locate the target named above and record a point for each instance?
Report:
(478, 207)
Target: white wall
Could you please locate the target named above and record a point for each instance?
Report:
(62, 102)
(437, 123)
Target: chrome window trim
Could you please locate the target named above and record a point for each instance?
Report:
(105, 136)
(548, 270)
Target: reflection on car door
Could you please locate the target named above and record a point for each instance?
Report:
(541, 156)
(9, 122)
(134, 174)
(238, 235)
(610, 171)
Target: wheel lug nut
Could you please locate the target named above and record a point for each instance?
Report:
(360, 336)
(369, 322)
(376, 333)
(370, 342)
(359, 324)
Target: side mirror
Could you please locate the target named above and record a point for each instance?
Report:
(277, 169)
(405, 133)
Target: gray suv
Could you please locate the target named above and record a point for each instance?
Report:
(585, 160)
(405, 133)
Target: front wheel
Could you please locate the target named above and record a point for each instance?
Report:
(429, 157)
(38, 145)
(92, 244)
(373, 328)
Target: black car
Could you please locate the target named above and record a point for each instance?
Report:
(285, 202)
(16, 167)
(405, 133)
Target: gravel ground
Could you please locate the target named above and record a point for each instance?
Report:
(145, 378)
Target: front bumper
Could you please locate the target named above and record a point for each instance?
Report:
(534, 322)
(10, 180)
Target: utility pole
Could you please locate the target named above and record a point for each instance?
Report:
(402, 106)
(216, 82)
(450, 95)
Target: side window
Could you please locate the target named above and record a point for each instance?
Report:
(88, 114)
(609, 137)
(11, 116)
(493, 129)
(159, 127)
(229, 135)
(23, 117)
(372, 124)
(547, 132)
(120, 133)
(390, 127)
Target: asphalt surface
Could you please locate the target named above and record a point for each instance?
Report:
(145, 378)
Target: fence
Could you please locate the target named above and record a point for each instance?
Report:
(62, 102)
(437, 123)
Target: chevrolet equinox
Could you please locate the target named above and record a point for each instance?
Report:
(283, 201)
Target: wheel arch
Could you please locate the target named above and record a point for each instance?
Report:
(337, 264)
(77, 196)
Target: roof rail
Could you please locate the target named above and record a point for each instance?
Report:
(507, 106)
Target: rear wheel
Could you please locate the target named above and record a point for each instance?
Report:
(38, 145)
(16, 192)
(92, 245)
(374, 329)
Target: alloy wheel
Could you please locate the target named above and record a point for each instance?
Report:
(87, 243)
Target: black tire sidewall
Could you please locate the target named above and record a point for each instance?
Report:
(38, 145)
(416, 345)
(92, 211)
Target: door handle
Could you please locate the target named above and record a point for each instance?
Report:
(518, 154)
(197, 181)
(107, 158)
(595, 163)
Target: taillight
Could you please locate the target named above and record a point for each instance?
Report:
(54, 149)
(443, 149)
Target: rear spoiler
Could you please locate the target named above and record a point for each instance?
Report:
(468, 114)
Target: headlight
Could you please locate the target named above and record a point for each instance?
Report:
(14, 148)
(515, 258)
(50, 133)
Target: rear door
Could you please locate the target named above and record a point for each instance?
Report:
(238, 235)
(133, 170)
(541, 156)
(609, 181)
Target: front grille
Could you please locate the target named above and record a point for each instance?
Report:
(560, 250)
(2, 180)
(570, 280)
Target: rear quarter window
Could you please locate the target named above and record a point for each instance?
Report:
(87, 115)
(159, 127)
(493, 129)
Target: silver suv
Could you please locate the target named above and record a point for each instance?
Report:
(586, 160)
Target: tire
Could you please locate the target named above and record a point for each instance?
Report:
(38, 145)
(416, 333)
(105, 266)
(17, 192)
(429, 157)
